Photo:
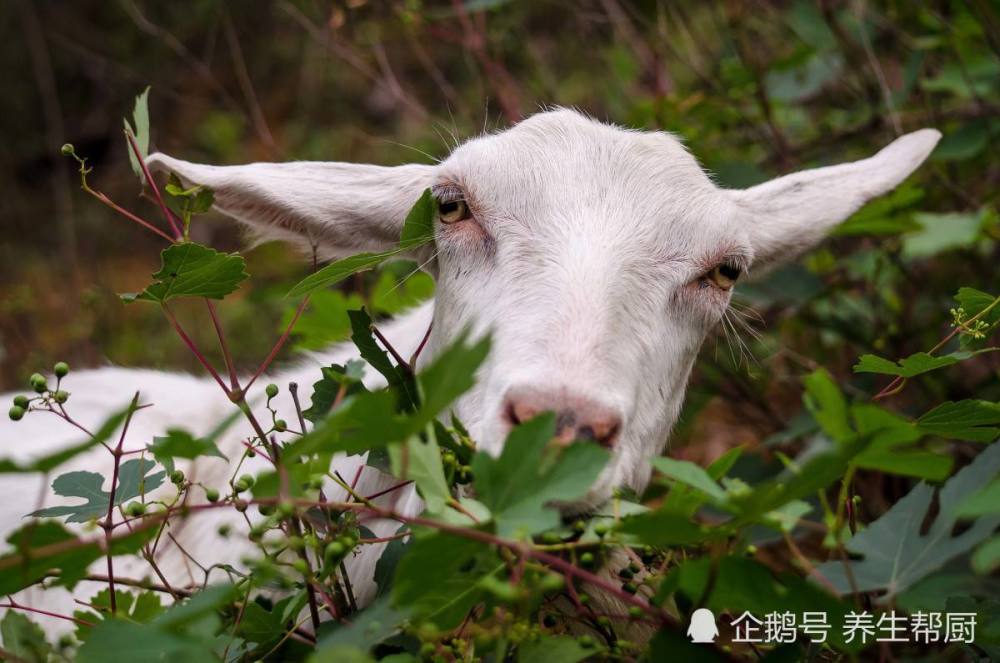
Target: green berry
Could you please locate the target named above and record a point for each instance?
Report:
(604, 621)
(135, 509)
(587, 560)
(241, 486)
(579, 526)
(286, 508)
(211, 494)
(61, 369)
(21, 401)
(280, 426)
(296, 543)
(586, 641)
(635, 612)
(311, 541)
(300, 566)
(16, 412)
(584, 599)
(349, 541)
(251, 453)
(257, 533)
(630, 587)
(67, 149)
(551, 582)
(626, 573)
(38, 383)
(224, 530)
(265, 509)
(248, 479)
(271, 390)
(335, 550)
(602, 528)
(633, 567)
(551, 538)
(61, 396)
(177, 477)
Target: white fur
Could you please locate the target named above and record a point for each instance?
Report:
(583, 262)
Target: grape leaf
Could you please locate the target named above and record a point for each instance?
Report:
(519, 486)
(24, 638)
(140, 115)
(913, 365)
(896, 554)
(970, 419)
(132, 482)
(193, 270)
(181, 444)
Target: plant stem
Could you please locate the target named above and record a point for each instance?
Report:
(277, 346)
(230, 366)
(193, 348)
(108, 524)
(152, 185)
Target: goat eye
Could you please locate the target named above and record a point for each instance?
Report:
(724, 276)
(453, 211)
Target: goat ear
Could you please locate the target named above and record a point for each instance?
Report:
(790, 214)
(332, 208)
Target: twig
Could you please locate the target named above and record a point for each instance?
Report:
(230, 366)
(18, 606)
(152, 185)
(193, 348)
(108, 521)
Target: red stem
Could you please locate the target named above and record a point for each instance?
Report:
(277, 346)
(129, 215)
(18, 606)
(152, 185)
(108, 525)
(194, 348)
(230, 366)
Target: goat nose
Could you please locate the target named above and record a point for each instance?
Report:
(577, 417)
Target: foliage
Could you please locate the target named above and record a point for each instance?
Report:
(792, 485)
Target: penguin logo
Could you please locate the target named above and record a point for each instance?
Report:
(703, 628)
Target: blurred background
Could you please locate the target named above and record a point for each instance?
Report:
(755, 88)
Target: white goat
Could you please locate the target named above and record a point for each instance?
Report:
(598, 257)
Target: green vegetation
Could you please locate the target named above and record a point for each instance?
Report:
(840, 458)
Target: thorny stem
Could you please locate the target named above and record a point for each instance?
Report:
(108, 524)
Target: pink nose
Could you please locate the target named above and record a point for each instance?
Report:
(577, 417)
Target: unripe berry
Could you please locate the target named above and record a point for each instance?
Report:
(335, 550)
(280, 426)
(551, 538)
(286, 508)
(265, 509)
(585, 641)
(224, 530)
(271, 390)
(135, 509)
(349, 541)
(211, 494)
(630, 587)
(61, 396)
(601, 528)
(296, 542)
(21, 401)
(38, 383)
(587, 560)
(240, 505)
(16, 412)
(67, 149)
(635, 612)
(241, 486)
(551, 582)
(257, 533)
(300, 566)
(61, 369)
(626, 573)
(177, 477)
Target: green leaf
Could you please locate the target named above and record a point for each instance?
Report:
(420, 462)
(665, 528)
(827, 404)
(436, 578)
(970, 419)
(193, 270)
(24, 638)
(140, 115)
(985, 502)
(337, 380)
(418, 229)
(181, 444)
(913, 365)
(451, 374)
(555, 649)
(51, 461)
(141, 608)
(376, 623)
(324, 321)
(895, 553)
(520, 486)
(385, 568)
(339, 270)
(397, 376)
(132, 482)
(690, 474)
(986, 558)
(400, 286)
(943, 232)
(44, 547)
